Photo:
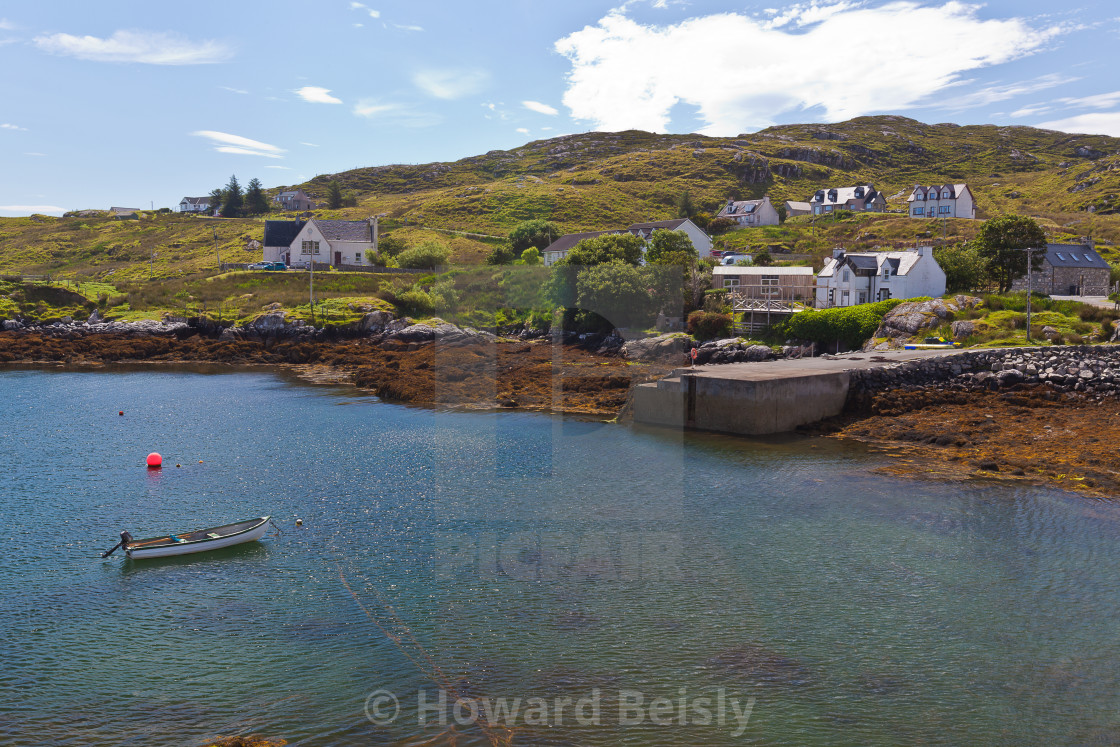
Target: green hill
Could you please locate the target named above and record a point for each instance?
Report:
(601, 180)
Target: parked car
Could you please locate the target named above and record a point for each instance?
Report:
(730, 259)
(267, 266)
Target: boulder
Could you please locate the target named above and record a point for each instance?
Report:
(1049, 333)
(11, 325)
(374, 322)
(963, 329)
(269, 323)
(654, 348)
(908, 319)
(95, 317)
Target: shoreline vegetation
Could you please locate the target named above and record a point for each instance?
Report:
(1029, 433)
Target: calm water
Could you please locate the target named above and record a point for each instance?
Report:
(524, 556)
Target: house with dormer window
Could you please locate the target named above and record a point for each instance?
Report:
(862, 198)
(293, 199)
(848, 279)
(331, 242)
(942, 201)
(194, 205)
(750, 212)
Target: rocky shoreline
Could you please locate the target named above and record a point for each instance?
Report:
(1047, 415)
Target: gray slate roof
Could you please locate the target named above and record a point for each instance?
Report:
(195, 200)
(569, 240)
(1074, 255)
(281, 232)
(345, 230)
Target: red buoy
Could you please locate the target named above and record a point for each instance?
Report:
(155, 461)
(121, 413)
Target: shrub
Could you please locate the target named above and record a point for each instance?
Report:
(430, 254)
(720, 225)
(706, 325)
(415, 301)
(849, 325)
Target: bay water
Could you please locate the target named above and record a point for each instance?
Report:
(603, 585)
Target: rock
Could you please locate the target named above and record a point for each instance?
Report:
(907, 319)
(962, 329)
(757, 353)
(95, 317)
(67, 320)
(1009, 377)
(11, 325)
(415, 333)
(269, 323)
(374, 321)
(1049, 333)
(652, 348)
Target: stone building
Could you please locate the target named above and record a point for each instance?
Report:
(1068, 270)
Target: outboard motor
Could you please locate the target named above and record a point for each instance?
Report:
(125, 539)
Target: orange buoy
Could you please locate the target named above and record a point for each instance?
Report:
(155, 461)
(121, 413)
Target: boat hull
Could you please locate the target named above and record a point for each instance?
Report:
(250, 534)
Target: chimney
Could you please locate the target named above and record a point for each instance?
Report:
(838, 253)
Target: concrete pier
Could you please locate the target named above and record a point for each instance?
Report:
(756, 399)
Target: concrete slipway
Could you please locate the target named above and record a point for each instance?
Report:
(757, 399)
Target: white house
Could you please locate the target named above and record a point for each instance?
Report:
(859, 199)
(944, 201)
(194, 205)
(559, 249)
(866, 277)
(333, 242)
(750, 212)
(278, 238)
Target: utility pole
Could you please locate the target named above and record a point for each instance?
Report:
(1030, 284)
(216, 252)
(151, 264)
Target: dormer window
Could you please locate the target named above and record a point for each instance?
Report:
(886, 272)
(946, 195)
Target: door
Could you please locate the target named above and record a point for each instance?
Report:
(338, 258)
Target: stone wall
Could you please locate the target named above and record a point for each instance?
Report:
(1056, 281)
(1093, 370)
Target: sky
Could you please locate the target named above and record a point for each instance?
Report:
(138, 104)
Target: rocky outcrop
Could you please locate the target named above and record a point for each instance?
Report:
(663, 348)
(732, 350)
(911, 318)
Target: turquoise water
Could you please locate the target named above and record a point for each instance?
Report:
(524, 556)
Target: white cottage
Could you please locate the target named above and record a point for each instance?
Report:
(942, 201)
(559, 249)
(333, 242)
(848, 279)
(750, 212)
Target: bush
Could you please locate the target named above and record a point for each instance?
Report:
(849, 325)
(502, 254)
(415, 301)
(706, 325)
(720, 225)
(430, 254)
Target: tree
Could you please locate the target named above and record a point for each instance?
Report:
(334, 194)
(782, 212)
(537, 232)
(428, 255)
(720, 225)
(234, 200)
(666, 247)
(390, 246)
(502, 254)
(965, 269)
(685, 209)
(762, 257)
(256, 202)
(617, 292)
(1002, 243)
(217, 197)
(612, 247)
(531, 256)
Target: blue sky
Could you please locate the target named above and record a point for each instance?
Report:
(140, 103)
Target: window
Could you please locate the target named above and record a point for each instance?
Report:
(886, 272)
(730, 282)
(943, 210)
(1060, 256)
(919, 211)
(770, 287)
(862, 297)
(946, 195)
(828, 208)
(357, 258)
(309, 247)
(846, 277)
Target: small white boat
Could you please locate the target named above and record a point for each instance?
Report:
(185, 543)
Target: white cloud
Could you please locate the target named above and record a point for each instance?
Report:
(804, 14)
(362, 6)
(224, 142)
(234, 90)
(317, 95)
(451, 83)
(29, 209)
(404, 27)
(539, 108)
(1098, 123)
(522, 130)
(843, 60)
(404, 115)
(8, 126)
(310, 145)
(993, 94)
(374, 13)
(286, 168)
(6, 25)
(150, 47)
(1096, 101)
